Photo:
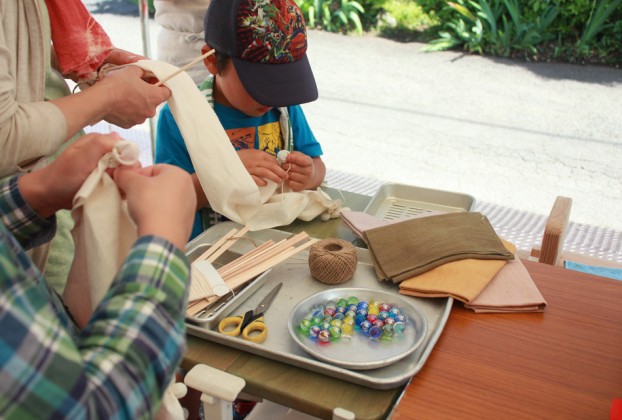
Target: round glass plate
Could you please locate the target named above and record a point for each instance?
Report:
(360, 352)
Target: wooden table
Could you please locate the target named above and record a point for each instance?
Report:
(564, 363)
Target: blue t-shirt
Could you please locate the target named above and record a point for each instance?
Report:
(263, 133)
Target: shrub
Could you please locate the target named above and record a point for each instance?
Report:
(333, 15)
(561, 29)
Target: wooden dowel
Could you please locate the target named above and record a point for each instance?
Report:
(260, 268)
(261, 254)
(243, 259)
(268, 253)
(200, 305)
(230, 241)
(184, 68)
(246, 267)
(199, 287)
(216, 245)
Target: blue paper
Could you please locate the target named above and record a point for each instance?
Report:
(611, 272)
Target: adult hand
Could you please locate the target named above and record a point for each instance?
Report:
(119, 57)
(116, 57)
(261, 166)
(133, 100)
(53, 187)
(161, 200)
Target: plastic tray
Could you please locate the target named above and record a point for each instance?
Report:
(396, 201)
(298, 285)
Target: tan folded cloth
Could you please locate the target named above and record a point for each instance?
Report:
(403, 250)
(463, 280)
(512, 290)
(484, 286)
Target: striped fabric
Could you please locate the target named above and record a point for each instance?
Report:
(118, 366)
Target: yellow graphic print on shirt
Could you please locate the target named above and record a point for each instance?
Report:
(270, 139)
(269, 135)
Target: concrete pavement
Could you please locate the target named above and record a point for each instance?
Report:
(515, 134)
(510, 133)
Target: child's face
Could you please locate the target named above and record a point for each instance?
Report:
(229, 91)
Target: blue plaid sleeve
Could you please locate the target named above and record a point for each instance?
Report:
(20, 219)
(118, 365)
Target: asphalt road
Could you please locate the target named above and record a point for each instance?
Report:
(510, 133)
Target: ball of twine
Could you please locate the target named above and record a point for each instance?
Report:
(332, 261)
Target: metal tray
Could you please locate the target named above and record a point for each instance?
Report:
(298, 285)
(396, 201)
(212, 315)
(360, 352)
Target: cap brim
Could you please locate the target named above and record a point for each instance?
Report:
(278, 85)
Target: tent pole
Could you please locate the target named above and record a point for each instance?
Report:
(143, 12)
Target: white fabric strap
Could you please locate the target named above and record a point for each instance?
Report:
(228, 186)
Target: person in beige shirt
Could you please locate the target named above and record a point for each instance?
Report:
(38, 113)
(181, 34)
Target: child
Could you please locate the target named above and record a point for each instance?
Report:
(259, 75)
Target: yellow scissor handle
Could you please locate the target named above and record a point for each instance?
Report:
(224, 326)
(256, 331)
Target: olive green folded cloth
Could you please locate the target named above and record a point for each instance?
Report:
(403, 250)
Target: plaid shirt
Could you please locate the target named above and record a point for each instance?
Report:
(118, 366)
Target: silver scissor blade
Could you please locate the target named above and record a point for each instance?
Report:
(265, 302)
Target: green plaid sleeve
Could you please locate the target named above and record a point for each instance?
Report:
(142, 318)
(20, 219)
(119, 365)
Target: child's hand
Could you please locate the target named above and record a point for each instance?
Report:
(261, 166)
(301, 172)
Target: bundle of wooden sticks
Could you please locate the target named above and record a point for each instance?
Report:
(244, 268)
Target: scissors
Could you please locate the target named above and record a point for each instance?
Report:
(251, 325)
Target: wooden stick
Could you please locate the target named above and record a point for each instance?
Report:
(230, 241)
(198, 285)
(260, 254)
(244, 258)
(216, 245)
(184, 68)
(199, 305)
(246, 267)
(265, 254)
(242, 278)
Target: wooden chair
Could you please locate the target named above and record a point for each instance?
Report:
(551, 249)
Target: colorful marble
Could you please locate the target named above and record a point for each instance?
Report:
(344, 317)
(375, 332)
(305, 325)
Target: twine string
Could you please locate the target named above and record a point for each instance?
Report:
(332, 261)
